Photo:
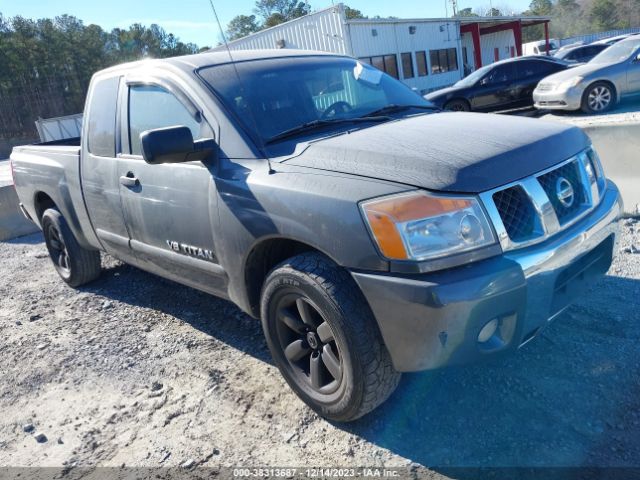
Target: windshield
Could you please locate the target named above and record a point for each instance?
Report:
(617, 52)
(276, 95)
(473, 78)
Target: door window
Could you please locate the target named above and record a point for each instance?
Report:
(535, 68)
(152, 107)
(500, 74)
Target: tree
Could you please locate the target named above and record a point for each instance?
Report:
(46, 64)
(466, 12)
(352, 13)
(603, 15)
(241, 26)
(541, 7)
(279, 11)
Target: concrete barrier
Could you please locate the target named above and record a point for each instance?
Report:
(12, 222)
(619, 148)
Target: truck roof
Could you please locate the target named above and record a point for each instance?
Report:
(191, 62)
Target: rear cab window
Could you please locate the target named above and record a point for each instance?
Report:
(101, 132)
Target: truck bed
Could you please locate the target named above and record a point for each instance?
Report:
(67, 146)
(51, 170)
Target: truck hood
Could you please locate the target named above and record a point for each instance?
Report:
(449, 152)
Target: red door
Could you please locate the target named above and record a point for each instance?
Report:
(513, 52)
(496, 54)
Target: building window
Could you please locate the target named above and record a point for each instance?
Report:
(386, 63)
(407, 65)
(445, 60)
(421, 62)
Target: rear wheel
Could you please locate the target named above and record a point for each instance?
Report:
(457, 106)
(75, 265)
(324, 339)
(598, 98)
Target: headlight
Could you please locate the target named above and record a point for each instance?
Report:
(594, 169)
(567, 84)
(419, 226)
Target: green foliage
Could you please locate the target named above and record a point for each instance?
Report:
(352, 13)
(46, 64)
(241, 26)
(575, 17)
(466, 12)
(603, 15)
(274, 12)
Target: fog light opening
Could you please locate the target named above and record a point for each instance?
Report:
(488, 331)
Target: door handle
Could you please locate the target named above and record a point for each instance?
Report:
(129, 180)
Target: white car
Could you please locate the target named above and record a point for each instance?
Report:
(539, 47)
(597, 86)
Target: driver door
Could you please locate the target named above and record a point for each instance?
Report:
(495, 89)
(169, 209)
(633, 75)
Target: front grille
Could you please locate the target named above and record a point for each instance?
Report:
(516, 212)
(536, 207)
(549, 181)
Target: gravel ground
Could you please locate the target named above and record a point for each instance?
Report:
(139, 371)
(627, 111)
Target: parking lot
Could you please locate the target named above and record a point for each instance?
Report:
(320, 167)
(136, 370)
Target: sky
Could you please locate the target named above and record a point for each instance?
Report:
(193, 20)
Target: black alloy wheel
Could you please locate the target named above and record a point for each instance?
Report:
(57, 250)
(308, 343)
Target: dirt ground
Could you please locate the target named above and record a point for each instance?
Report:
(138, 371)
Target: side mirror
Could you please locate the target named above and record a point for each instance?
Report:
(174, 145)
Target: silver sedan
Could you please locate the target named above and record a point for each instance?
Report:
(596, 86)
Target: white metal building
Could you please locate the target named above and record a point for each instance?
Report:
(425, 53)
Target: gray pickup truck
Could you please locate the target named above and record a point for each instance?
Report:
(371, 233)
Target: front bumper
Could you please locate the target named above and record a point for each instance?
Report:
(433, 320)
(554, 100)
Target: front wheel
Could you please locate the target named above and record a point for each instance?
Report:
(457, 106)
(598, 98)
(324, 339)
(75, 265)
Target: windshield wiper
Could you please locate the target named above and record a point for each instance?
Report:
(392, 108)
(314, 124)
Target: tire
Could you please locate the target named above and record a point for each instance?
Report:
(595, 95)
(338, 326)
(457, 106)
(75, 265)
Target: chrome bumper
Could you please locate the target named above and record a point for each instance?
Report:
(542, 265)
(554, 100)
(433, 320)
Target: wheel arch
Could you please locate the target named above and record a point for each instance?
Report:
(457, 99)
(609, 82)
(263, 256)
(42, 201)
